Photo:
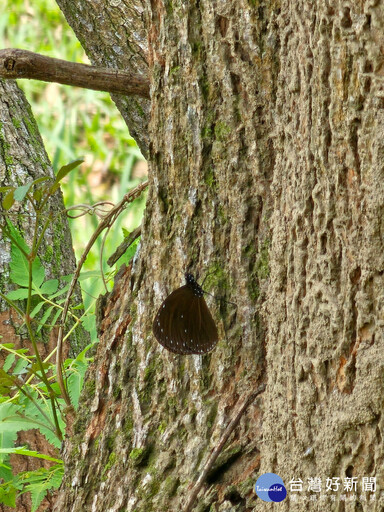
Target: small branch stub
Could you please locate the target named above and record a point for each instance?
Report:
(16, 63)
(219, 447)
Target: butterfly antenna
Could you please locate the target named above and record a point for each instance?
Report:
(221, 298)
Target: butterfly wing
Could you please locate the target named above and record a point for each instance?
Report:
(184, 324)
(169, 321)
(201, 334)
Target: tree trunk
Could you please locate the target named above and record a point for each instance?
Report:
(266, 168)
(113, 36)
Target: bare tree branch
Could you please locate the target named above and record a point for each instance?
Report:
(16, 63)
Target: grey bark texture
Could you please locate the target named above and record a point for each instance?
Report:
(266, 167)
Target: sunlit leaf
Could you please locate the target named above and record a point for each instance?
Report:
(63, 171)
(8, 200)
(22, 191)
(19, 294)
(49, 286)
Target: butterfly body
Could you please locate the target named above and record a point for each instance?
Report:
(184, 324)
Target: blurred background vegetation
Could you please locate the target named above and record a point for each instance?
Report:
(77, 123)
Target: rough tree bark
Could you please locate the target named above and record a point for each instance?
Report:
(266, 167)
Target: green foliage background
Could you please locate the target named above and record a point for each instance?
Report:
(76, 123)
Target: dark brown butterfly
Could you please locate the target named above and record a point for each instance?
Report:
(184, 324)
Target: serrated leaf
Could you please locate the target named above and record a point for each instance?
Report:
(41, 481)
(37, 495)
(20, 269)
(8, 200)
(4, 189)
(7, 409)
(23, 450)
(38, 273)
(22, 191)
(75, 384)
(16, 423)
(49, 287)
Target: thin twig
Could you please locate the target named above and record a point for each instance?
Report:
(216, 452)
(16, 63)
(105, 223)
(134, 235)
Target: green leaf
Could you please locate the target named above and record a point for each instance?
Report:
(20, 366)
(5, 470)
(9, 360)
(21, 192)
(37, 194)
(49, 286)
(44, 318)
(19, 294)
(23, 450)
(38, 273)
(37, 309)
(55, 317)
(40, 180)
(130, 252)
(19, 263)
(6, 382)
(60, 292)
(75, 384)
(17, 422)
(15, 233)
(63, 171)
(20, 269)
(40, 481)
(89, 323)
(8, 200)
(8, 496)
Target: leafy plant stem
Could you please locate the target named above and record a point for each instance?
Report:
(28, 319)
(20, 386)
